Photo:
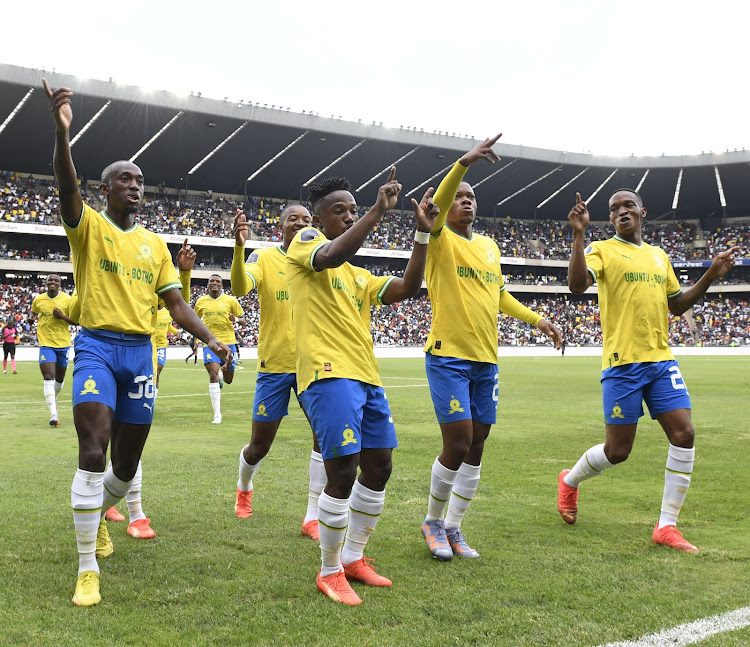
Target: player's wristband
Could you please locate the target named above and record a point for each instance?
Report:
(422, 237)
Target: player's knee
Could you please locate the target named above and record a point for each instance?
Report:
(125, 468)
(459, 446)
(228, 378)
(617, 454)
(683, 437)
(92, 459)
(258, 450)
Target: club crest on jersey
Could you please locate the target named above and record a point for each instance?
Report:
(145, 254)
(308, 235)
(659, 262)
(490, 256)
(361, 281)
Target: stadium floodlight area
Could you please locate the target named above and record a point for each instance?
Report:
(564, 186)
(643, 179)
(530, 184)
(275, 157)
(491, 175)
(218, 148)
(601, 186)
(90, 122)
(676, 198)
(15, 110)
(332, 164)
(430, 179)
(720, 188)
(387, 168)
(157, 135)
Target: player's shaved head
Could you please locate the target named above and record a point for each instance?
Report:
(117, 167)
(638, 197)
(291, 208)
(321, 190)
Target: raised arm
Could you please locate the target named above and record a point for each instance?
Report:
(342, 248)
(185, 262)
(446, 192)
(723, 262)
(71, 202)
(402, 288)
(239, 280)
(579, 278)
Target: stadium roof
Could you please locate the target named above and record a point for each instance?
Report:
(242, 147)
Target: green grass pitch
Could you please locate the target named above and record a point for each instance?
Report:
(211, 579)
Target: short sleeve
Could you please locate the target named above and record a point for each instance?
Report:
(305, 245)
(594, 262)
(673, 285)
(377, 287)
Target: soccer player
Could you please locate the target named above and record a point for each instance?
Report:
(337, 373)
(215, 309)
(466, 289)
(9, 344)
(53, 335)
(265, 271)
(637, 290)
(118, 269)
(193, 351)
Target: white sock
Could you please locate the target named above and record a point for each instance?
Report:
(247, 471)
(365, 506)
(318, 481)
(58, 387)
(676, 483)
(49, 397)
(592, 463)
(114, 489)
(133, 497)
(333, 516)
(156, 392)
(441, 484)
(464, 488)
(214, 392)
(86, 500)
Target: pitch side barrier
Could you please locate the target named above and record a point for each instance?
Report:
(250, 355)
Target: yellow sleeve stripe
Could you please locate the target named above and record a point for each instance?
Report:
(315, 251)
(384, 289)
(175, 285)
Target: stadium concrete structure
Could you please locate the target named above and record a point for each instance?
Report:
(240, 148)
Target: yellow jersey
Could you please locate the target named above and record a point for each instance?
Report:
(465, 286)
(215, 314)
(634, 284)
(331, 314)
(117, 272)
(162, 327)
(265, 270)
(50, 331)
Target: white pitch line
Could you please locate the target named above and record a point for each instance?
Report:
(692, 632)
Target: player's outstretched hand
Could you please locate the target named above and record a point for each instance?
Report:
(186, 257)
(425, 211)
(482, 152)
(388, 193)
(59, 104)
(723, 262)
(552, 331)
(221, 350)
(240, 229)
(579, 215)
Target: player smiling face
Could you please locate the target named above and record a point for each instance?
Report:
(464, 207)
(215, 286)
(122, 185)
(337, 214)
(626, 213)
(53, 285)
(294, 218)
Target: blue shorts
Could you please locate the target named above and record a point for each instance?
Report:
(209, 356)
(625, 388)
(462, 389)
(57, 355)
(115, 372)
(349, 416)
(272, 395)
(161, 356)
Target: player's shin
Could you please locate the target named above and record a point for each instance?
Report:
(133, 496)
(114, 488)
(50, 396)
(317, 483)
(365, 507)
(333, 517)
(464, 488)
(86, 495)
(441, 485)
(592, 463)
(676, 482)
